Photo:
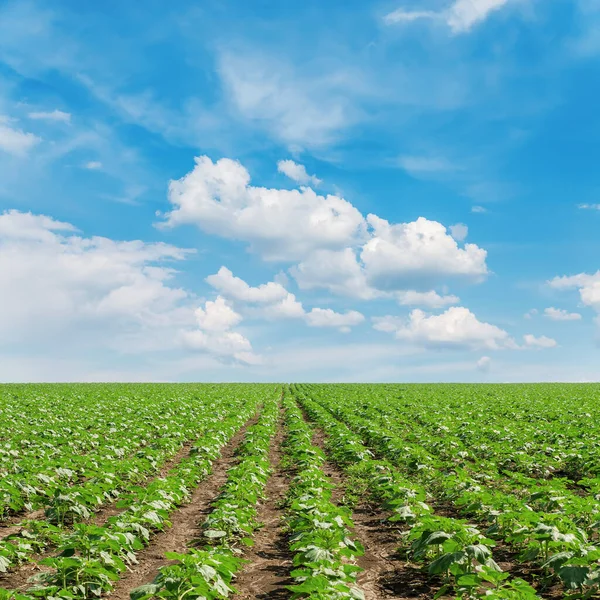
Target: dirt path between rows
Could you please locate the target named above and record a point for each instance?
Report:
(386, 575)
(270, 559)
(186, 522)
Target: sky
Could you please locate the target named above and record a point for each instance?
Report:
(222, 190)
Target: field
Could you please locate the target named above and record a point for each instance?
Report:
(299, 491)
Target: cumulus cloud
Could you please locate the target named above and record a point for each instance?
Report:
(281, 225)
(274, 301)
(461, 16)
(233, 287)
(588, 286)
(325, 317)
(559, 314)
(418, 255)
(16, 141)
(53, 280)
(539, 342)
(429, 299)
(484, 364)
(459, 232)
(297, 172)
(214, 334)
(458, 327)
(337, 271)
(55, 115)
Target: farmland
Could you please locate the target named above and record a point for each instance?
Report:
(299, 491)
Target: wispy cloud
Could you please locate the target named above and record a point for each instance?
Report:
(461, 16)
(55, 115)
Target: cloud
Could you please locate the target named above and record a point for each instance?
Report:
(337, 271)
(458, 327)
(539, 342)
(478, 209)
(325, 317)
(402, 15)
(56, 283)
(429, 299)
(55, 115)
(214, 335)
(559, 314)
(16, 141)
(301, 110)
(588, 286)
(422, 165)
(280, 225)
(484, 364)
(589, 206)
(459, 232)
(93, 165)
(530, 313)
(273, 301)
(418, 255)
(233, 287)
(297, 172)
(461, 16)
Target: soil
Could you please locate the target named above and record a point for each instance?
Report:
(270, 559)
(185, 522)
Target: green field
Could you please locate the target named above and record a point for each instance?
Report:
(299, 491)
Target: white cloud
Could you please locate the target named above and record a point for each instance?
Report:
(275, 302)
(588, 286)
(478, 209)
(423, 165)
(325, 317)
(233, 287)
(539, 342)
(278, 224)
(336, 271)
(217, 316)
(418, 255)
(484, 364)
(55, 282)
(301, 110)
(530, 313)
(214, 334)
(459, 232)
(55, 115)
(93, 165)
(461, 16)
(297, 172)
(429, 299)
(464, 14)
(458, 327)
(589, 206)
(15, 141)
(559, 314)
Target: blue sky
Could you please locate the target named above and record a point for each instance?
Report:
(224, 190)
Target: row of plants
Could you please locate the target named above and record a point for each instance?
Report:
(206, 571)
(452, 549)
(552, 540)
(90, 558)
(88, 446)
(320, 537)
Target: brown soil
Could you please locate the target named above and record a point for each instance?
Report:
(174, 539)
(270, 559)
(385, 575)
(186, 524)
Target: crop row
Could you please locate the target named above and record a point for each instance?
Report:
(90, 558)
